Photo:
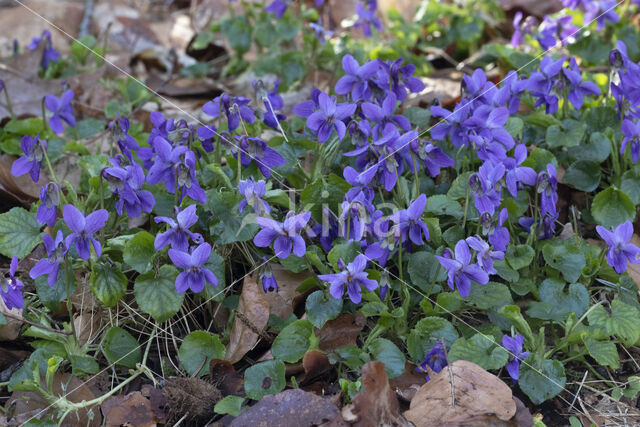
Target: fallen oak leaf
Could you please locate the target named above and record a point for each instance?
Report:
(377, 404)
(252, 316)
(479, 398)
(341, 331)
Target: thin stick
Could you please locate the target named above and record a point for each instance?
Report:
(578, 392)
(37, 325)
(446, 357)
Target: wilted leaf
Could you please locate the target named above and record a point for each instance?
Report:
(477, 393)
(132, 409)
(280, 302)
(253, 308)
(315, 364)
(340, 332)
(377, 404)
(289, 408)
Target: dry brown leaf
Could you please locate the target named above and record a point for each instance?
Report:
(280, 302)
(131, 410)
(158, 400)
(377, 404)
(408, 384)
(224, 376)
(340, 332)
(288, 408)
(443, 85)
(21, 188)
(315, 364)
(540, 8)
(33, 402)
(480, 397)
(251, 317)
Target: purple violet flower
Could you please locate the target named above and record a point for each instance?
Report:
(382, 115)
(432, 157)
(277, 7)
(195, 274)
(367, 18)
(484, 255)
(578, 89)
(253, 193)
(358, 79)
(61, 109)
(514, 346)
(353, 277)
(460, 271)
(49, 54)
(494, 227)
(269, 283)
(120, 133)
(321, 33)
(178, 233)
(436, 359)
(50, 198)
(620, 250)
(401, 78)
(631, 132)
(11, 288)
(548, 189)
(330, 116)
(56, 252)
(31, 162)
(128, 185)
(286, 234)
(233, 114)
(410, 221)
(258, 151)
(82, 229)
(485, 186)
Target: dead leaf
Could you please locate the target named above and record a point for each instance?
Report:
(158, 400)
(193, 397)
(184, 86)
(9, 356)
(251, 317)
(340, 332)
(280, 302)
(540, 8)
(21, 188)
(377, 404)
(133, 409)
(407, 384)
(288, 408)
(11, 329)
(315, 364)
(26, 402)
(224, 376)
(479, 396)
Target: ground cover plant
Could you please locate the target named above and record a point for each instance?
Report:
(260, 244)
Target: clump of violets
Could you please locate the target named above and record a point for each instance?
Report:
(353, 277)
(127, 182)
(367, 17)
(459, 269)
(49, 54)
(195, 274)
(62, 110)
(34, 151)
(620, 249)
(435, 359)
(234, 109)
(285, 235)
(11, 287)
(82, 229)
(514, 346)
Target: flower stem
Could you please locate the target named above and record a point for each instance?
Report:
(6, 97)
(44, 117)
(69, 303)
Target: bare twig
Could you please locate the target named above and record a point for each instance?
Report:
(37, 325)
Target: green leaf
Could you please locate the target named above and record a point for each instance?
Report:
(460, 186)
(417, 116)
(121, 348)
(108, 283)
(82, 364)
(624, 321)
(324, 191)
(428, 332)
(596, 150)
(227, 225)
(321, 307)
(51, 296)
(344, 251)
(217, 266)
(519, 256)
(139, 251)
(568, 134)
(583, 175)
(514, 126)
(541, 119)
(293, 341)
(294, 263)
(557, 304)
(512, 312)
(605, 352)
(156, 294)
(539, 158)
(441, 204)
(87, 128)
(630, 185)
(565, 257)
(19, 233)
(612, 207)
(541, 379)
(237, 29)
(231, 405)
(422, 268)
(492, 295)
(593, 49)
(197, 350)
(481, 350)
(264, 378)
(387, 352)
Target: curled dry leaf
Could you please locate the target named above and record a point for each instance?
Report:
(133, 409)
(315, 364)
(341, 331)
(377, 404)
(288, 408)
(281, 302)
(481, 398)
(33, 402)
(251, 317)
(224, 376)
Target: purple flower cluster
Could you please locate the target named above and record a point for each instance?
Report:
(353, 277)
(49, 54)
(11, 287)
